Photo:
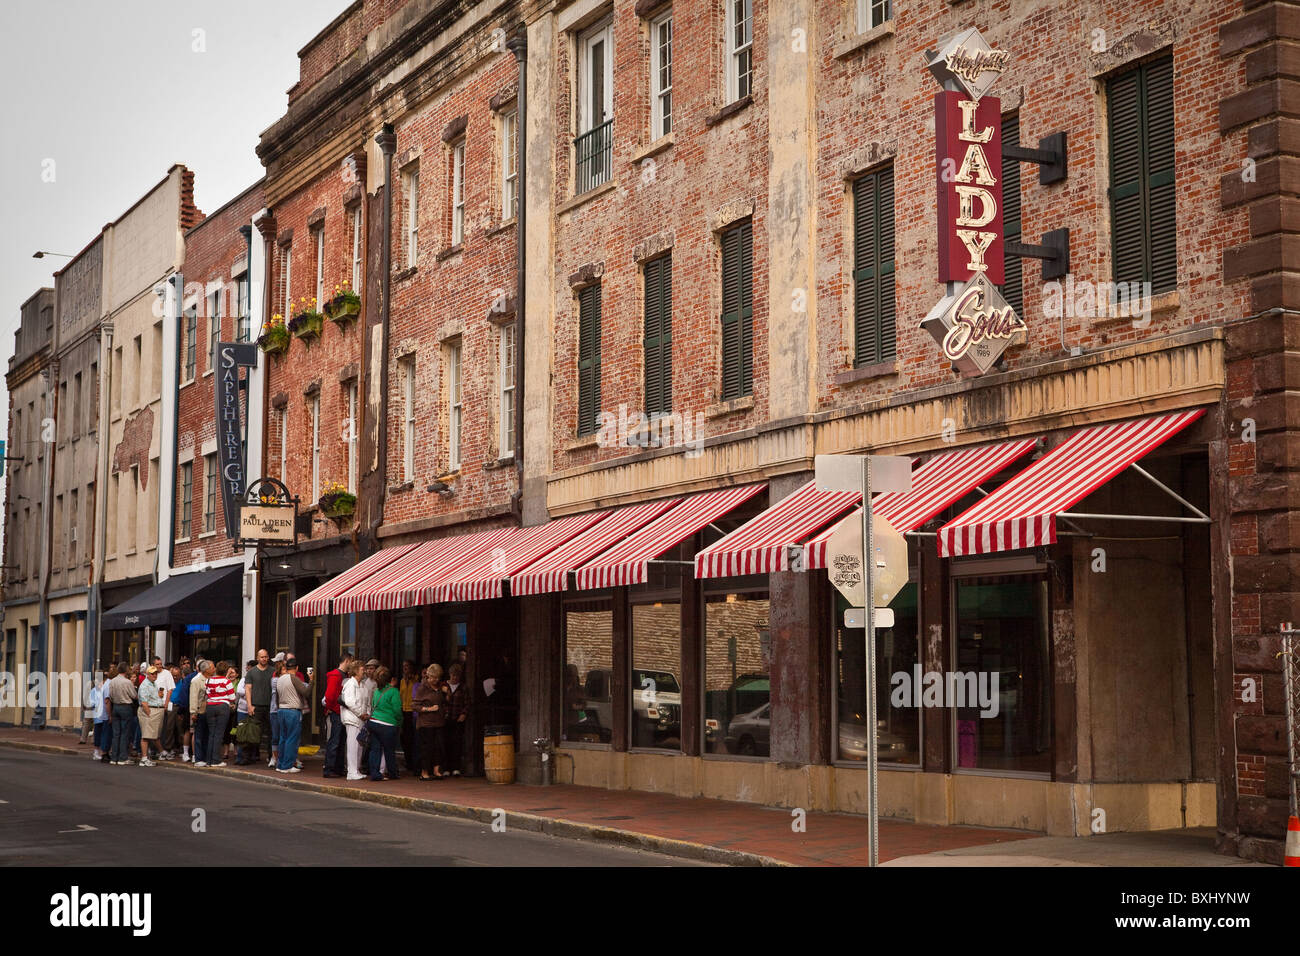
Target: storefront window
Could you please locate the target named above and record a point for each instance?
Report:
(1001, 685)
(656, 675)
(737, 690)
(588, 667)
(898, 714)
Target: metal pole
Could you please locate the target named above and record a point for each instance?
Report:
(868, 574)
(1290, 676)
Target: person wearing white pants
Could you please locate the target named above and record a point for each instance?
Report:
(355, 711)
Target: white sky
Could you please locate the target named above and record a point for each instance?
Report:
(114, 92)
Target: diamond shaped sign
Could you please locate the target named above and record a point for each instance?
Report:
(967, 60)
(974, 326)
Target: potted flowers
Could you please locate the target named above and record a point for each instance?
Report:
(345, 306)
(275, 337)
(307, 324)
(337, 502)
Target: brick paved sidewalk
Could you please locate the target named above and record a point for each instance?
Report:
(692, 827)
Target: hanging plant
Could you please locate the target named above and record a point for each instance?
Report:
(307, 324)
(337, 502)
(275, 337)
(345, 306)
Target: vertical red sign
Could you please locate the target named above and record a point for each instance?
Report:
(968, 153)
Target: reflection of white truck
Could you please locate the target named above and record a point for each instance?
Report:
(656, 707)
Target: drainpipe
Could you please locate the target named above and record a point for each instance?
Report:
(40, 712)
(101, 488)
(387, 141)
(177, 280)
(518, 45)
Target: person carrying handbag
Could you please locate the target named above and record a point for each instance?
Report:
(430, 705)
(354, 712)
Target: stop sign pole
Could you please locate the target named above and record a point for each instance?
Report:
(836, 473)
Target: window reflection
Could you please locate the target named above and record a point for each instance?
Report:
(737, 689)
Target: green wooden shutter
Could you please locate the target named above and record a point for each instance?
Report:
(1140, 124)
(659, 336)
(588, 359)
(873, 268)
(737, 312)
(1013, 287)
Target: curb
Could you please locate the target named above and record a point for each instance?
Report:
(530, 822)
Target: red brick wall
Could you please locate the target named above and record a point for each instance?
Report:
(319, 361)
(677, 190)
(211, 249)
(451, 294)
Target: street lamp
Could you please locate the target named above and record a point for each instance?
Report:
(42, 253)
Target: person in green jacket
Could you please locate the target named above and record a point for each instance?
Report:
(385, 720)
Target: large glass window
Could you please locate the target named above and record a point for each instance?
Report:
(656, 675)
(737, 688)
(588, 705)
(1000, 687)
(898, 710)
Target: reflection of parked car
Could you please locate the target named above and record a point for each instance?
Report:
(750, 734)
(853, 743)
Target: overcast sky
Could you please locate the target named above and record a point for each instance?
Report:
(116, 91)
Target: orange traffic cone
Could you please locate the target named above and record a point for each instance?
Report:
(1291, 855)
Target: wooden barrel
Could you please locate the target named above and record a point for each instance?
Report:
(499, 757)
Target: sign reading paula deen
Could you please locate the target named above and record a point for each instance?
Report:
(231, 356)
(972, 323)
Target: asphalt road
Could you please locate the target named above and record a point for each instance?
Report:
(47, 801)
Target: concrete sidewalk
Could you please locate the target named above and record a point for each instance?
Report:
(696, 828)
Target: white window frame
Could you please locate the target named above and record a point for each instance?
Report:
(284, 442)
(320, 267)
(411, 190)
(506, 358)
(455, 406)
(873, 13)
(356, 249)
(315, 448)
(214, 327)
(408, 418)
(185, 524)
(509, 164)
(286, 280)
(736, 51)
(661, 42)
(209, 493)
(242, 330)
(458, 192)
(587, 120)
(352, 435)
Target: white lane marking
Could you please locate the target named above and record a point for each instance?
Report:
(81, 827)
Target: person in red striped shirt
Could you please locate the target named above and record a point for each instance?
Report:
(221, 695)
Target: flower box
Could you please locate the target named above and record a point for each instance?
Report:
(338, 504)
(274, 340)
(306, 325)
(344, 307)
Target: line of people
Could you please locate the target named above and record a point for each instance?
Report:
(151, 713)
(368, 708)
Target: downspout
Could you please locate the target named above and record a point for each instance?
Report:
(518, 45)
(387, 141)
(39, 713)
(101, 487)
(266, 224)
(177, 280)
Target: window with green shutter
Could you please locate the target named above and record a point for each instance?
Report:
(659, 336)
(873, 268)
(588, 359)
(737, 312)
(1013, 286)
(1140, 124)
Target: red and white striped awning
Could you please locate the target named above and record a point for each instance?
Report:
(629, 562)
(317, 602)
(401, 584)
(482, 578)
(1022, 513)
(551, 572)
(762, 545)
(935, 485)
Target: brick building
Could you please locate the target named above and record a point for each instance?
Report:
(732, 230)
(26, 490)
(143, 253)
